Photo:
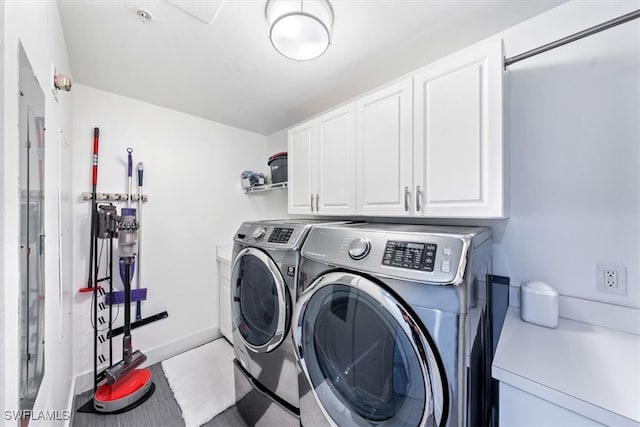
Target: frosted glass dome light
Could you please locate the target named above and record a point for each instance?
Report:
(300, 29)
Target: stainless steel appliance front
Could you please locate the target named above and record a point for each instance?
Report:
(397, 336)
(266, 258)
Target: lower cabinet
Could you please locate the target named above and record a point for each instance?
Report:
(519, 408)
(224, 282)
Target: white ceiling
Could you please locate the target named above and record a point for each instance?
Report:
(227, 71)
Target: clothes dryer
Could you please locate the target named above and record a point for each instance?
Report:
(391, 326)
(266, 257)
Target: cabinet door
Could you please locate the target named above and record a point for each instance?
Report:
(224, 274)
(301, 168)
(225, 309)
(336, 159)
(519, 408)
(384, 151)
(458, 141)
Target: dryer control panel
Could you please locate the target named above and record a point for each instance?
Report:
(414, 255)
(280, 235)
(262, 234)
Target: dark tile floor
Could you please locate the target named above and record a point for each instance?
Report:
(159, 411)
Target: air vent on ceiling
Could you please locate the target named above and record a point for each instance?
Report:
(204, 11)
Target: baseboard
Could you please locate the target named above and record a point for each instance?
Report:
(84, 382)
(163, 352)
(71, 403)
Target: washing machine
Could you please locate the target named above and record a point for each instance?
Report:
(391, 326)
(266, 257)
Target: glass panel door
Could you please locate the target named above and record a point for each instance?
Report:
(31, 121)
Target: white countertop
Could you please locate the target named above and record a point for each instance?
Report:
(224, 253)
(591, 370)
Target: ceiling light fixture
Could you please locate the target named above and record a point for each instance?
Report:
(300, 29)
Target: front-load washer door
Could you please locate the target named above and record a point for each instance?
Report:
(365, 357)
(259, 307)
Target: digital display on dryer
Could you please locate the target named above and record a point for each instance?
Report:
(280, 235)
(412, 255)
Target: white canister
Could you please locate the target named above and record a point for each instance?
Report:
(539, 304)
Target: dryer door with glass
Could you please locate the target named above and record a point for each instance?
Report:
(260, 307)
(367, 360)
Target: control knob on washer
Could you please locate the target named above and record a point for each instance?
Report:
(359, 248)
(259, 233)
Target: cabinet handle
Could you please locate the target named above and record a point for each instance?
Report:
(418, 198)
(317, 202)
(406, 199)
(312, 202)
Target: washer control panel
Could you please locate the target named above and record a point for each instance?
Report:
(412, 255)
(420, 253)
(280, 235)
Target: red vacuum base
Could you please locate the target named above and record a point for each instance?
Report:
(124, 392)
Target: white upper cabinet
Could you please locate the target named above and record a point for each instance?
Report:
(322, 164)
(336, 178)
(301, 168)
(429, 145)
(458, 141)
(384, 151)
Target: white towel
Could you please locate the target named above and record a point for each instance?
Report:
(202, 381)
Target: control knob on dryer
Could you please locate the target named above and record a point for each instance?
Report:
(359, 248)
(259, 233)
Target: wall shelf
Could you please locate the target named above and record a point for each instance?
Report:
(266, 187)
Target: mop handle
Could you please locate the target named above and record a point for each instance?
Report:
(96, 138)
(140, 172)
(129, 174)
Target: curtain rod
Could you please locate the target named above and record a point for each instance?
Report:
(569, 39)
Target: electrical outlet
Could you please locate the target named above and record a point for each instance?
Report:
(611, 278)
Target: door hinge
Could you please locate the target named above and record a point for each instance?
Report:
(42, 244)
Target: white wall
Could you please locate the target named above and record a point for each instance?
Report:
(192, 176)
(277, 142)
(575, 152)
(575, 155)
(38, 28)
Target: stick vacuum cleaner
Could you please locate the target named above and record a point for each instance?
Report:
(125, 384)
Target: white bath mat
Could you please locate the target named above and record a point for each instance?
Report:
(202, 381)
